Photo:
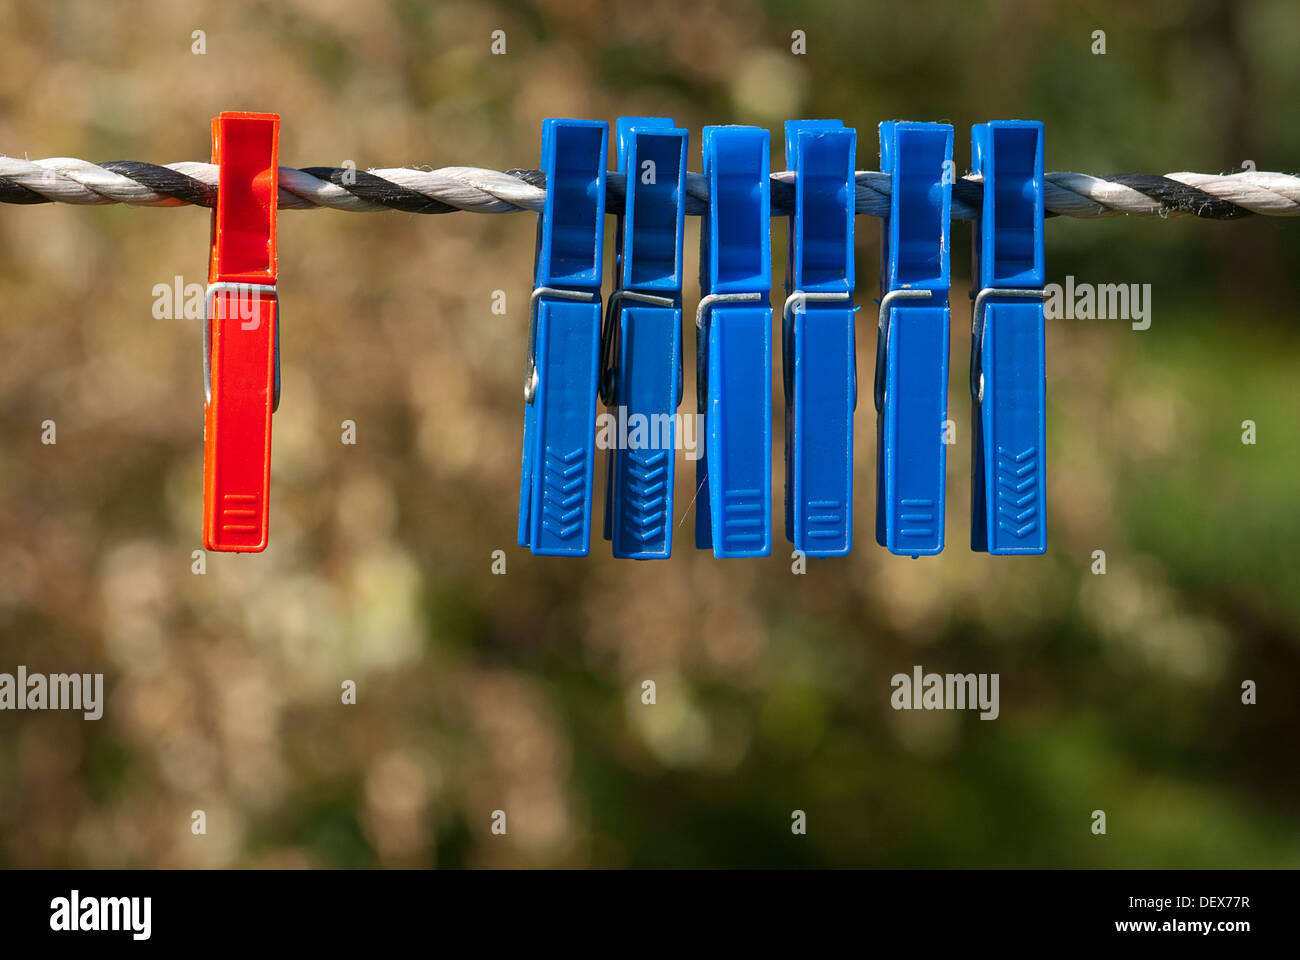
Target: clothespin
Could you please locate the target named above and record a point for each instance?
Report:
(912, 347)
(818, 339)
(1008, 374)
(564, 342)
(241, 342)
(734, 347)
(641, 369)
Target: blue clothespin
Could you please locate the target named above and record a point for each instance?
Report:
(641, 369)
(818, 339)
(564, 342)
(912, 349)
(734, 347)
(1008, 374)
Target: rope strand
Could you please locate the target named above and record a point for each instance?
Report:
(476, 190)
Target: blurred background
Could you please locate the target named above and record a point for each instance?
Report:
(521, 692)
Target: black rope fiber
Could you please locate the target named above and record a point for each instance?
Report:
(367, 186)
(166, 181)
(1178, 197)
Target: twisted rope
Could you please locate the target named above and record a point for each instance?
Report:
(475, 190)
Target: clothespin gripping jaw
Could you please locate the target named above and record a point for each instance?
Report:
(642, 343)
(734, 347)
(1007, 370)
(560, 384)
(241, 357)
(818, 338)
(912, 345)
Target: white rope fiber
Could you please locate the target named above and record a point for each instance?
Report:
(477, 190)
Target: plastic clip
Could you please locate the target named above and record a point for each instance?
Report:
(818, 339)
(641, 352)
(1008, 374)
(560, 384)
(734, 347)
(241, 334)
(912, 346)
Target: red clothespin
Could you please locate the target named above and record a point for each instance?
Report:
(241, 355)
